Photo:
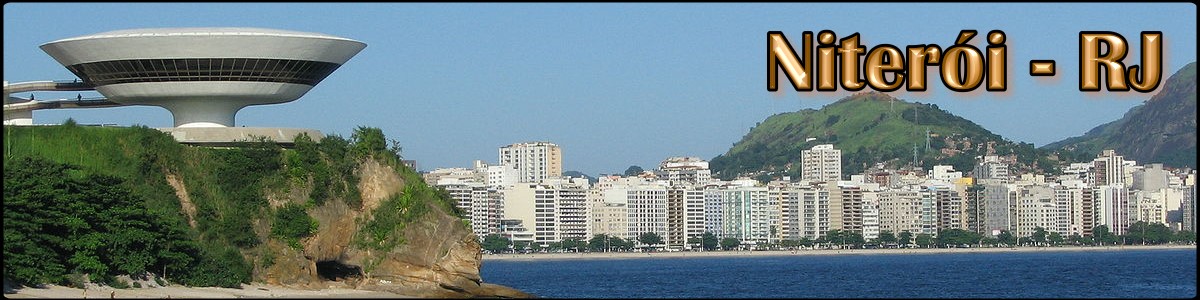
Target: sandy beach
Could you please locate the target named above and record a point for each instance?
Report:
(541, 256)
(248, 291)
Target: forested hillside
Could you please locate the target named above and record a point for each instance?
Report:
(92, 203)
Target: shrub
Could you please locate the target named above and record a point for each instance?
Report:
(292, 223)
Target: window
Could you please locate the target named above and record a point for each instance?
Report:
(203, 69)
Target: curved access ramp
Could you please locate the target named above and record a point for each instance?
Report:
(60, 103)
(19, 111)
(56, 85)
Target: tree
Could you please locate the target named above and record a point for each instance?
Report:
(1006, 238)
(1075, 239)
(61, 219)
(633, 171)
(1184, 237)
(368, 141)
(924, 240)
(1055, 238)
(834, 236)
(806, 242)
(991, 241)
(710, 241)
(619, 244)
(650, 239)
(789, 244)
(886, 237)
(905, 238)
(1039, 236)
(1102, 235)
(573, 244)
(495, 243)
(598, 243)
(522, 245)
(854, 239)
(1148, 233)
(955, 237)
(729, 243)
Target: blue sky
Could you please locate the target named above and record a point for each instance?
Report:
(613, 84)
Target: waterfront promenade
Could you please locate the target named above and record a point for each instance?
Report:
(610, 255)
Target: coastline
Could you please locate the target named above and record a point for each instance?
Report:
(258, 290)
(632, 255)
(255, 290)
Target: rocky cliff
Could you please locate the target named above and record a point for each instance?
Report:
(439, 258)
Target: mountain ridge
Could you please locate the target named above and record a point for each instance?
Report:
(1160, 130)
(870, 128)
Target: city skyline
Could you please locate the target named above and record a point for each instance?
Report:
(614, 85)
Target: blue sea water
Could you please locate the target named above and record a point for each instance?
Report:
(1149, 273)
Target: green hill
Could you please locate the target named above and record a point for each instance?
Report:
(100, 202)
(869, 128)
(1162, 130)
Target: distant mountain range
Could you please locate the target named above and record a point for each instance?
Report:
(1162, 130)
(871, 128)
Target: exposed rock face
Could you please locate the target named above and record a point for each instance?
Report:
(439, 258)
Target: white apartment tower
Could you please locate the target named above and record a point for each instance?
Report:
(534, 161)
(747, 212)
(991, 167)
(821, 163)
(644, 201)
(555, 210)
(1112, 197)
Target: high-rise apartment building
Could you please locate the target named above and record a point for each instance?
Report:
(685, 215)
(900, 210)
(555, 210)
(1108, 176)
(845, 208)
(534, 161)
(821, 163)
(992, 167)
(645, 204)
(747, 213)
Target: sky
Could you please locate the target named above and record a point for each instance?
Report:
(613, 84)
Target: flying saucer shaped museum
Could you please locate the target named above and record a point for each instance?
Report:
(203, 75)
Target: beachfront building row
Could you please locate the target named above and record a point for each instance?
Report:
(680, 201)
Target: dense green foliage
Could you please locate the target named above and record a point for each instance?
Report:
(904, 238)
(955, 237)
(59, 220)
(650, 239)
(568, 245)
(886, 237)
(608, 243)
(495, 243)
(730, 243)
(870, 128)
(100, 201)
(292, 223)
